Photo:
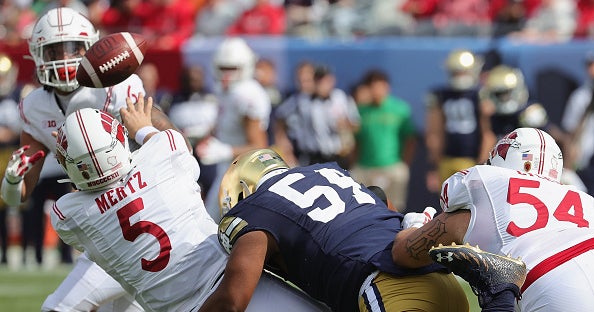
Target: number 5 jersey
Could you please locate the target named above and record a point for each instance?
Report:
(150, 231)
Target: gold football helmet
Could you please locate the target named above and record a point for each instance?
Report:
(505, 88)
(464, 68)
(243, 176)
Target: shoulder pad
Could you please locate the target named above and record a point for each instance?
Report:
(229, 228)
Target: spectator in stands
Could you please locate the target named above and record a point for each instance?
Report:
(385, 140)
(462, 18)
(344, 18)
(167, 24)
(15, 23)
(458, 134)
(578, 121)
(422, 11)
(215, 17)
(120, 16)
(264, 18)
(244, 113)
(303, 17)
(386, 17)
(553, 21)
(289, 132)
(507, 16)
(585, 19)
(10, 128)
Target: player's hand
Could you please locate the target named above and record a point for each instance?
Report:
(211, 151)
(19, 164)
(137, 114)
(418, 219)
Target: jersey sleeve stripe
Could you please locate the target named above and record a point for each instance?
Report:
(23, 117)
(58, 212)
(108, 99)
(171, 138)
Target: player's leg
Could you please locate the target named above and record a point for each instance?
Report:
(433, 292)
(273, 292)
(86, 288)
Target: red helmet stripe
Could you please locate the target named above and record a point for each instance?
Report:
(542, 151)
(85, 134)
(60, 22)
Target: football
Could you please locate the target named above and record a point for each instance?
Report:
(111, 60)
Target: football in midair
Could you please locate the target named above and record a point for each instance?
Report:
(111, 60)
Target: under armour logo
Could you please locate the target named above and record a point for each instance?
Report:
(449, 257)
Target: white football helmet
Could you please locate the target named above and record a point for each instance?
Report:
(464, 68)
(93, 149)
(244, 174)
(59, 40)
(505, 87)
(234, 60)
(528, 150)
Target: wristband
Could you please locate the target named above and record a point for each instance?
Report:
(11, 192)
(143, 132)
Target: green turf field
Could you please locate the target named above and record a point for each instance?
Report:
(24, 290)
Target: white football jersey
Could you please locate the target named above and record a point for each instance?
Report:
(150, 231)
(518, 213)
(548, 225)
(41, 113)
(245, 98)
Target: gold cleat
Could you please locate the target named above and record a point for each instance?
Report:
(481, 269)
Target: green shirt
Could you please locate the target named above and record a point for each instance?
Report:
(383, 132)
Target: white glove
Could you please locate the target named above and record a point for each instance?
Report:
(212, 151)
(417, 219)
(19, 164)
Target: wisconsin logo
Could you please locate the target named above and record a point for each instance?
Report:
(504, 144)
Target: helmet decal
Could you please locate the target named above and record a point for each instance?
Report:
(113, 127)
(504, 145)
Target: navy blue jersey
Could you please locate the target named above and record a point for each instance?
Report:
(332, 232)
(462, 129)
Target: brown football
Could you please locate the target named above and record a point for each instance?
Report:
(111, 60)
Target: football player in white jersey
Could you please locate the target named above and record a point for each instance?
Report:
(141, 216)
(59, 40)
(516, 205)
(244, 113)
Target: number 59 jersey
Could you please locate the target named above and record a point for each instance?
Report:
(521, 214)
(332, 233)
(149, 231)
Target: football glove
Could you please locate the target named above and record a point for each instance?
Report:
(418, 219)
(19, 164)
(211, 151)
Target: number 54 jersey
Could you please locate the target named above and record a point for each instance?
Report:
(149, 231)
(541, 221)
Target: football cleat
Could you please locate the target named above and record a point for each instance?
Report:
(484, 271)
